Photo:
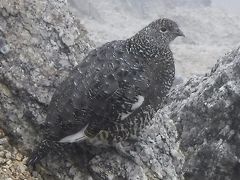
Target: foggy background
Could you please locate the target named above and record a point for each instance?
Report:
(211, 27)
(230, 6)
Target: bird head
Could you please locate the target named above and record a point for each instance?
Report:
(161, 32)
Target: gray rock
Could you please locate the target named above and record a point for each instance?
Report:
(3, 141)
(195, 135)
(156, 151)
(206, 111)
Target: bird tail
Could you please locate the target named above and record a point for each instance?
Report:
(40, 152)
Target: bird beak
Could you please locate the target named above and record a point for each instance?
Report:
(179, 33)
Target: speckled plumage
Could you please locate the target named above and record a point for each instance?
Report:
(115, 91)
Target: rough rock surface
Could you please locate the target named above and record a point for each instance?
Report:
(12, 162)
(195, 135)
(206, 111)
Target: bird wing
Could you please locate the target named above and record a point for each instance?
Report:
(118, 90)
(103, 89)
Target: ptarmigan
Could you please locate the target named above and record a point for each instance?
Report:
(113, 93)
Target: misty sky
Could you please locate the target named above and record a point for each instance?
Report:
(230, 5)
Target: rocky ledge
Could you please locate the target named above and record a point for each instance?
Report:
(194, 136)
(206, 112)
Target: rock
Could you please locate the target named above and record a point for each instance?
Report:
(19, 157)
(2, 134)
(154, 152)
(8, 155)
(3, 141)
(206, 111)
(12, 166)
(194, 136)
(2, 153)
(2, 160)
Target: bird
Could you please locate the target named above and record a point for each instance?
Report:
(113, 93)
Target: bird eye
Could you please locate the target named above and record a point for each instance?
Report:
(163, 29)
